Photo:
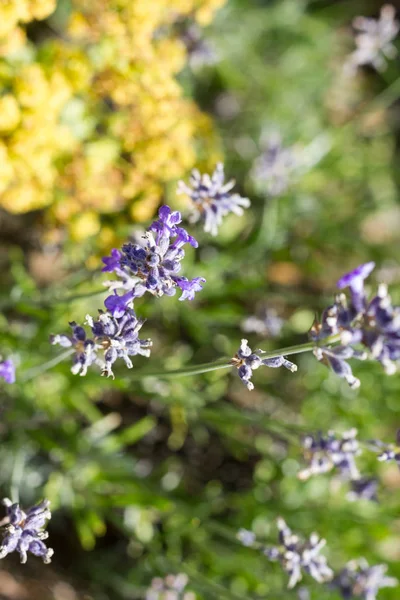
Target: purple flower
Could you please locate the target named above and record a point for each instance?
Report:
(358, 580)
(387, 452)
(367, 329)
(246, 361)
(364, 488)
(189, 287)
(274, 168)
(24, 531)
(268, 325)
(355, 281)
(296, 555)
(336, 358)
(246, 537)
(374, 40)
(200, 51)
(326, 452)
(111, 262)
(7, 371)
(115, 337)
(172, 587)
(117, 305)
(212, 198)
(154, 266)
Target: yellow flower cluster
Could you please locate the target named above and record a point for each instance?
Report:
(13, 12)
(94, 120)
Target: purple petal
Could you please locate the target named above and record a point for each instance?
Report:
(112, 262)
(38, 548)
(10, 542)
(356, 277)
(7, 371)
(189, 288)
(117, 305)
(355, 281)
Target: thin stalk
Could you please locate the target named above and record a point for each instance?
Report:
(39, 369)
(17, 475)
(222, 363)
(225, 363)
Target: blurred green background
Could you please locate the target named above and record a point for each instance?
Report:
(154, 475)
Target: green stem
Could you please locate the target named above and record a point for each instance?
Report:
(225, 363)
(39, 369)
(222, 363)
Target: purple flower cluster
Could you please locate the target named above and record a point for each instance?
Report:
(172, 587)
(212, 198)
(273, 169)
(296, 555)
(115, 337)
(374, 40)
(152, 267)
(24, 531)
(199, 50)
(366, 329)
(246, 361)
(267, 324)
(358, 580)
(7, 371)
(324, 453)
(387, 452)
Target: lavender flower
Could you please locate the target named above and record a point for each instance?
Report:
(268, 325)
(374, 40)
(246, 537)
(152, 267)
(116, 337)
(200, 51)
(273, 169)
(24, 531)
(359, 580)
(296, 555)
(172, 587)
(364, 488)
(367, 329)
(355, 281)
(324, 453)
(7, 371)
(387, 452)
(246, 361)
(212, 198)
(336, 359)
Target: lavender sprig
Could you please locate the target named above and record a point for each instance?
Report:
(367, 329)
(273, 169)
(374, 40)
(358, 580)
(24, 531)
(212, 198)
(246, 361)
(172, 587)
(296, 555)
(153, 267)
(115, 337)
(324, 453)
(387, 452)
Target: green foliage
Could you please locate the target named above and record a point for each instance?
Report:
(165, 470)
